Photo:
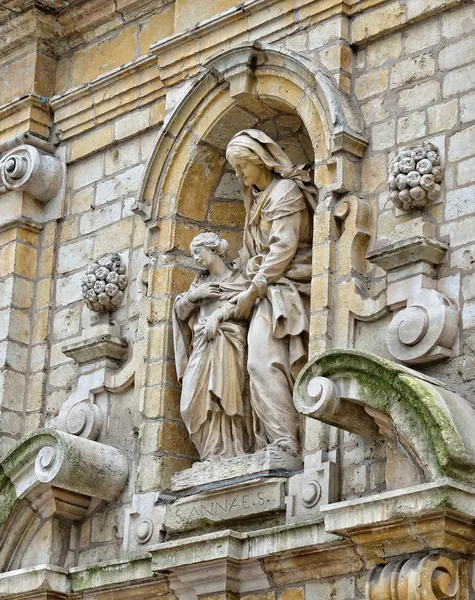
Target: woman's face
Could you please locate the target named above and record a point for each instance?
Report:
(247, 171)
(203, 256)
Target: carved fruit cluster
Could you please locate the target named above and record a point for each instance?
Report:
(104, 283)
(415, 177)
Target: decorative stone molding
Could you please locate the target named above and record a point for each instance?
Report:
(144, 522)
(105, 346)
(415, 177)
(316, 486)
(434, 577)
(27, 169)
(313, 94)
(365, 394)
(424, 331)
(60, 473)
(104, 283)
(424, 327)
(192, 582)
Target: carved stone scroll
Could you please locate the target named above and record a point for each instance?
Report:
(26, 168)
(431, 578)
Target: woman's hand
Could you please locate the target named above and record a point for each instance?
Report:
(211, 327)
(245, 302)
(205, 291)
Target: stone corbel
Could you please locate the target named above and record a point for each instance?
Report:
(366, 394)
(32, 170)
(434, 577)
(60, 474)
(424, 327)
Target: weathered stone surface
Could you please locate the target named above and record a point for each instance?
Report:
(247, 465)
(242, 500)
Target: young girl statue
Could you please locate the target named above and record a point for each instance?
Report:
(210, 353)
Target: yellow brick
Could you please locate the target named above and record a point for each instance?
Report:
(40, 327)
(279, 93)
(171, 279)
(202, 176)
(292, 594)
(46, 260)
(48, 234)
(189, 12)
(161, 401)
(372, 22)
(374, 174)
(23, 293)
(7, 259)
(43, 293)
(156, 28)
(12, 84)
(87, 144)
(82, 200)
(227, 214)
(161, 342)
(103, 57)
(319, 325)
(113, 238)
(69, 229)
(25, 262)
(325, 175)
(45, 75)
(167, 437)
(62, 75)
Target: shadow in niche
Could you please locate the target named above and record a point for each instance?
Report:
(210, 198)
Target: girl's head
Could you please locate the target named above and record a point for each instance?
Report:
(205, 246)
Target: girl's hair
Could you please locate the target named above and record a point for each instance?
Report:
(212, 241)
(234, 151)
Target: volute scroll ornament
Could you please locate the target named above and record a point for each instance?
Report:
(424, 331)
(434, 577)
(26, 168)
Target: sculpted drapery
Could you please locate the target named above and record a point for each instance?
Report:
(269, 290)
(276, 257)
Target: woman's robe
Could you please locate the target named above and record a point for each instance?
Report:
(212, 373)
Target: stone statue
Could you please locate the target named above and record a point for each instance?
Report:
(210, 346)
(276, 259)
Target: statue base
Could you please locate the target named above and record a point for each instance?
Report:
(240, 468)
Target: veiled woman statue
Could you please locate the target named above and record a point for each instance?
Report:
(210, 353)
(276, 258)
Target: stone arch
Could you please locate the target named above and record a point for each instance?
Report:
(255, 78)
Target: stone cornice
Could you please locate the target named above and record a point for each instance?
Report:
(29, 114)
(83, 21)
(131, 86)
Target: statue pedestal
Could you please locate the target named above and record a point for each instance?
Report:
(241, 468)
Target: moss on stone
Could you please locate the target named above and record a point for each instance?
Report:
(410, 400)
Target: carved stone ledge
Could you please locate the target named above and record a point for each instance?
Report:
(238, 468)
(407, 252)
(60, 473)
(433, 577)
(97, 348)
(424, 327)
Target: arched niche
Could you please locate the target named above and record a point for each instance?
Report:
(249, 86)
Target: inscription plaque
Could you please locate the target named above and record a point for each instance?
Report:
(234, 502)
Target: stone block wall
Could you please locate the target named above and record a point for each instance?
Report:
(410, 69)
